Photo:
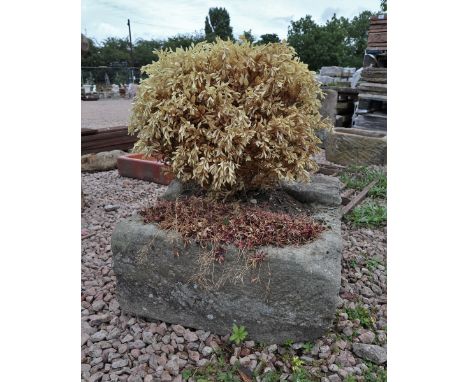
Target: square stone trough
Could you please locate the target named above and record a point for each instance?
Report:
(295, 298)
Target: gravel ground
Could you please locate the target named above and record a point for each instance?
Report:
(105, 113)
(120, 347)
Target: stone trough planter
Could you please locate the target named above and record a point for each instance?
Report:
(295, 298)
(350, 146)
(149, 169)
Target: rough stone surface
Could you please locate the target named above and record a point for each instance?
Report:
(174, 190)
(103, 161)
(328, 110)
(374, 353)
(321, 189)
(333, 71)
(152, 282)
(363, 265)
(347, 146)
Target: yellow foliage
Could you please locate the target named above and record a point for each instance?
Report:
(230, 116)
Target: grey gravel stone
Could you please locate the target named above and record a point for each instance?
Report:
(179, 330)
(206, 351)
(367, 337)
(147, 337)
(84, 338)
(99, 336)
(165, 376)
(96, 377)
(110, 208)
(194, 355)
(98, 305)
(127, 338)
(98, 319)
(190, 336)
(172, 366)
(121, 362)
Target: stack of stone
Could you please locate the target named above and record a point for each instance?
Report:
(335, 75)
(371, 113)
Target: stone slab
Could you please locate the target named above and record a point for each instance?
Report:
(327, 110)
(295, 298)
(103, 161)
(321, 189)
(356, 147)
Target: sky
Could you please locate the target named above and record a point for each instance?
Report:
(159, 19)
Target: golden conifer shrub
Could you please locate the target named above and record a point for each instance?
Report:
(230, 116)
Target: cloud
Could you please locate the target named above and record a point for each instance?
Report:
(328, 14)
(105, 29)
(166, 18)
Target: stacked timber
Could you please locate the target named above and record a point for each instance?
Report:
(114, 138)
(377, 39)
(371, 113)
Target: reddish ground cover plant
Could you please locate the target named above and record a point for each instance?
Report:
(240, 224)
(214, 225)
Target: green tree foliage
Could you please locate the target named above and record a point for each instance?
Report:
(183, 41)
(383, 5)
(111, 50)
(318, 45)
(114, 50)
(218, 24)
(339, 42)
(143, 51)
(267, 38)
(91, 57)
(356, 39)
(248, 36)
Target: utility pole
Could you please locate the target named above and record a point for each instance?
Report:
(131, 47)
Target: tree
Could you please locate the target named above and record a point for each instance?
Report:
(248, 36)
(91, 56)
(143, 51)
(383, 5)
(356, 40)
(183, 41)
(217, 24)
(339, 42)
(317, 45)
(268, 38)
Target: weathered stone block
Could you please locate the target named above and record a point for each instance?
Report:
(327, 110)
(348, 146)
(332, 71)
(103, 161)
(322, 189)
(294, 299)
(325, 80)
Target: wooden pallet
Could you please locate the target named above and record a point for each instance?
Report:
(115, 138)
